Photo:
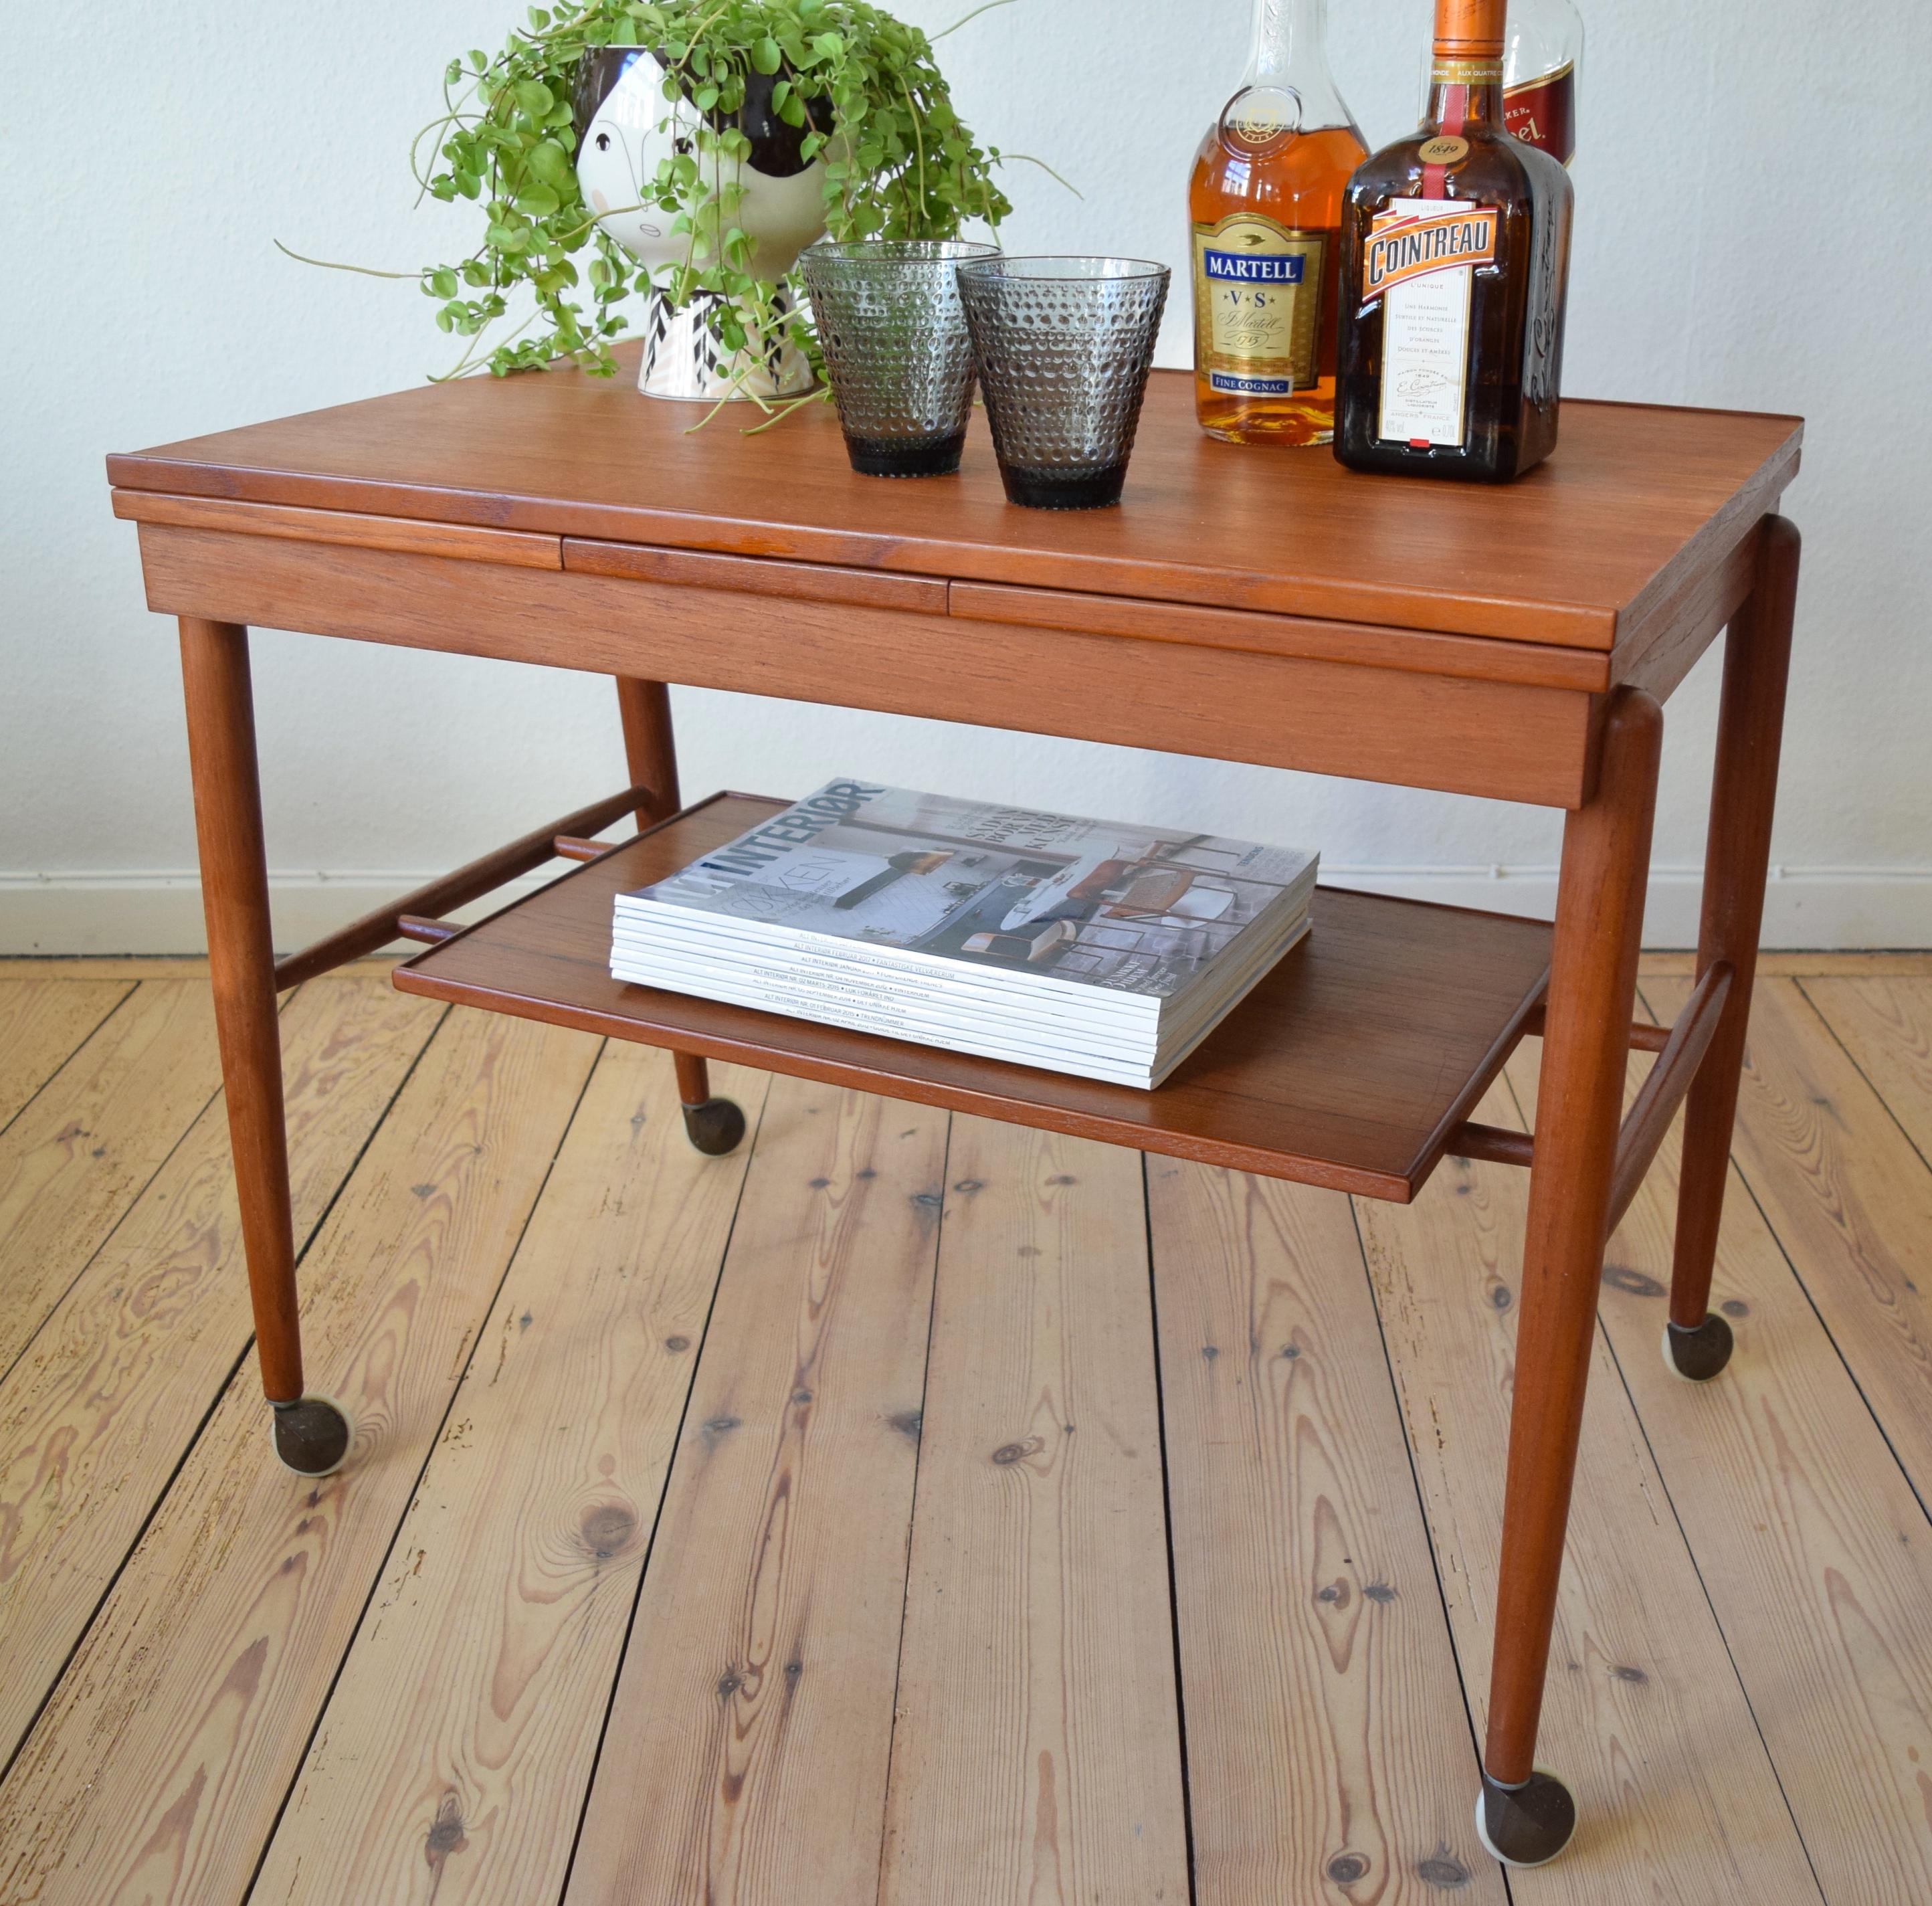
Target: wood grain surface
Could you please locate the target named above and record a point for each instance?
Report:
(1362, 643)
(746, 1756)
(1850, 1198)
(810, 582)
(1509, 739)
(77, 1156)
(1884, 1023)
(1329, 1750)
(1644, 1715)
(109, 1395)
(41, 1023)
(1348, 1065)
(208, 1657)
(1637, 502)
(1035, 1757)
(157, 1769)
(1808, 1540)
(518, 548)
(453, 1759)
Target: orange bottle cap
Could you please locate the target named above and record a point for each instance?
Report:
(1469, 29)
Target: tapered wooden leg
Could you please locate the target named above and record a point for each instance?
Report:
(713, 1125)
(242, 968)
(1750, 723)
(311, 1433)
(1592, 983)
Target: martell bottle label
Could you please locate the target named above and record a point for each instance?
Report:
(1418, 259)
(1258, 301)
(1544, 112)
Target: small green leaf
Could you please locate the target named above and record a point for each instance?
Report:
(766, 55)
(535, 97)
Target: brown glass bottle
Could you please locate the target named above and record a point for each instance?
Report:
(1455, 265)
(1264, 205)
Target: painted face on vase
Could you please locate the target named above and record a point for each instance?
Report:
(628, 129)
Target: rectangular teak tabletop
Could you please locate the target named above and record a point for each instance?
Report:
(1255, 605)
(1583, 553)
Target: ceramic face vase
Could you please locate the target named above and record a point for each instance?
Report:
(627, 128)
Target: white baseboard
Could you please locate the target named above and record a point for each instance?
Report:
(159, 912)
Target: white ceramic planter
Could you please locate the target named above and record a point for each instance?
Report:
(629, 129)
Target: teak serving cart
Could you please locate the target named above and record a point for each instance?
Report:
(1256, 606)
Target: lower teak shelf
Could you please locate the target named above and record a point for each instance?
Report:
(1347, 1066)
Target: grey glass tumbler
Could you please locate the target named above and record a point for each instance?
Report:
(896, 349)
(1064, 346)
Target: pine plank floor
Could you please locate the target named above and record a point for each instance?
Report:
(911, 1511)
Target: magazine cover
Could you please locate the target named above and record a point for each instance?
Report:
(1104, 903)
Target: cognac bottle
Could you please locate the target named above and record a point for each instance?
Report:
(1541, 57)
(1455, 264)
(1265, 200)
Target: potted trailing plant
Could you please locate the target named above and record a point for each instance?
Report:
(686, 150)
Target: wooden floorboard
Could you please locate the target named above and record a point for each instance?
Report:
(745, 1759)
(1036, 1756)
(1677, 1797)
(1808, 1540)
(1328, 1743)
(1742, 1682)
(1885, 1025)
(157, 1770)
(1850, 1200)
(453, 1757)
(105, 1401)
(42, 1022)
(78, 1154)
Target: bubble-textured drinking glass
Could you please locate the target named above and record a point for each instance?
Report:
(1064, 346)
(896, 349)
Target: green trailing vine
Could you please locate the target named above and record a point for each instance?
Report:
(863, 86)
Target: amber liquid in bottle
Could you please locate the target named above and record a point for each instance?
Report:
(1264, 207)
(1455, 267)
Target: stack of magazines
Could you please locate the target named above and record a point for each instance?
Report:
(1095, 948)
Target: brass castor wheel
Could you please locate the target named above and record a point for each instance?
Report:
(1698, 1354)
(1525, 1825)
(716, 1127)
(312, 1435)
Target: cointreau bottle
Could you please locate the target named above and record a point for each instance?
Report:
(1541, 58)
(1455, 264)
(1265, 200)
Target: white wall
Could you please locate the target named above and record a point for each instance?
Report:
(1751, 228)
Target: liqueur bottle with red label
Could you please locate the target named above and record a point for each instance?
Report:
(1265, 201)
(1455, 266)
(1542, 54)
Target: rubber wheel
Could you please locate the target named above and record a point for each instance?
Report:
(312, 1437)
(1698, 1354)
(715, 1127)
(1525, 1825)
